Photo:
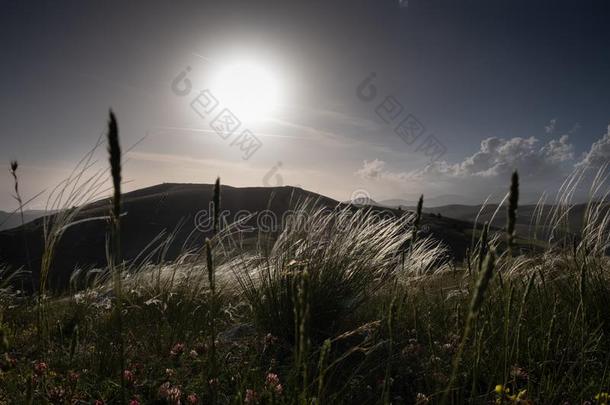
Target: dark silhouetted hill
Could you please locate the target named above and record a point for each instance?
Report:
(162, 208)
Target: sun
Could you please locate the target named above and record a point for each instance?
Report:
(249, 89)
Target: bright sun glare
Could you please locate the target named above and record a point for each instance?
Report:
(249, 89)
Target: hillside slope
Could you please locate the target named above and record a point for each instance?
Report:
(163, 208)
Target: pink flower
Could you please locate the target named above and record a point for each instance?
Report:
(193, 353)
(98, 402)
(273, 382)
(173, 396)
(192, 399)
(128, 376)
(40, 367)
(170, 394)
(177, 350)
(272, 379)
(251, 396)
(134, 402)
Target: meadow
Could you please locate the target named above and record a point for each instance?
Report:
(338, 307)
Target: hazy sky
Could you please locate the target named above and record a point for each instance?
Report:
(496, 84)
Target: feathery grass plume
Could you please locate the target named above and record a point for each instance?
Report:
(114, 152)
(513, 202)
(348, 255)
(475, 305)
(216, 204)
(64, 202)
(13, 169)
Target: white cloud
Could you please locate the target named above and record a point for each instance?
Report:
(487, 170)
(599, 154)
(499, 157)
(376, 170)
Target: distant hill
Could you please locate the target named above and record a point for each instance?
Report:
(161, 208)
(10, 220)
(429, 202)
(525, 214)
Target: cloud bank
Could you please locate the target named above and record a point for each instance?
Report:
(542, 166)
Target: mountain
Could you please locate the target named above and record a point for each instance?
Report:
(173, 207)
(10, 220)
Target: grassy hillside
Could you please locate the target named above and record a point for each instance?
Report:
(340, 305)
(10, 220)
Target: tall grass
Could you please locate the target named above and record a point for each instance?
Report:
(114, 257)
(17, 196)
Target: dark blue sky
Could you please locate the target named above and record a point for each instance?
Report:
(467, 70)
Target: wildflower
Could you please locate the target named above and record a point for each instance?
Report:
(192, 399)
(213, 382)
(503, 393)
(173, 395)
(602, 398)
(177, 350)
(134, 401)
(272, 379)
(421, 399)
(273, 382)
(128, 376)
(40, 368)
(520, 397)
(251, 396)
(193, 354)
(500, 389)
(170, 372)
(99, 402)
